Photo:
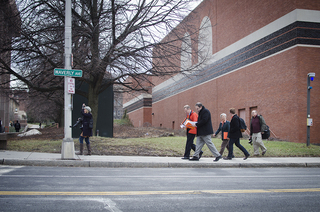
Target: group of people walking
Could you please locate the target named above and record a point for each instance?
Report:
(201, 126)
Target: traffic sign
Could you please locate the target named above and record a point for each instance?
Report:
(71, 85)
(67, 73)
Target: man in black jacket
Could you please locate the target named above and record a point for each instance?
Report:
(204, 132)
(235, 135)
(17, 126)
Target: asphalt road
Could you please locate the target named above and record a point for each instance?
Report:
(165, 189)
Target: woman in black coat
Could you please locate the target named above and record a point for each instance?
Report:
(86, 128)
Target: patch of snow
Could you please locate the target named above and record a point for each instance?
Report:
(31, 132)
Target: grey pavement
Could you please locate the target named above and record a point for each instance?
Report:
(51, 159)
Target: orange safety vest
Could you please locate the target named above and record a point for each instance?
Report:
(193, 117)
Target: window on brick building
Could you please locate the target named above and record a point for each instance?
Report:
(186, 52)
(205, 39)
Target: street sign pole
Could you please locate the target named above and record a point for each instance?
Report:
(67, 149)
(309, 120)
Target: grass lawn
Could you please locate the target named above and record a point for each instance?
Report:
(161, 146)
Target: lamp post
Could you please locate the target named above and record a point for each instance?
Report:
(67, 149)
(309, 120)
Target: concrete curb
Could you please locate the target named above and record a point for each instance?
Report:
(62, 163)
(116, 164)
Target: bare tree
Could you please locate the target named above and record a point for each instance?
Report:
(111, 41)
(46, 106)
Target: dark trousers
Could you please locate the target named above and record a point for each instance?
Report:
(236, 141)
(189, 144)
(225, 144)
(85, 138)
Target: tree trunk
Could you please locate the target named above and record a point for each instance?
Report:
(61, 118)
(93, 103)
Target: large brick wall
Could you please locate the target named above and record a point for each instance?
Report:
(141, 117)
(275, 86)
(233, 20)
(262, 53)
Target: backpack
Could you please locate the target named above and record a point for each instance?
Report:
(243, 125)
(266, 133)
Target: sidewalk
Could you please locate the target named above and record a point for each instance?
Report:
(50, 159)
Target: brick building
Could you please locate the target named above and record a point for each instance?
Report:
(9, 27)
(139, 104)
(260, 53)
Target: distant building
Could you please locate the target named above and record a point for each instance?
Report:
(260, 53)
(9, 27)
(138, 104)
(118, 103)
(17, 107)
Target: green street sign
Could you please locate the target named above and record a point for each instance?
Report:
(67, 73)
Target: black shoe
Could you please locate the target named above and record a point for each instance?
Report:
(263, 153)
(194, 158)
(227, 158)
(246, 157)
(185, 158)
(217, 158)
(200, 154)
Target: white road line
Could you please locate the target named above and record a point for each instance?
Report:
(8, 169)
(110, 205)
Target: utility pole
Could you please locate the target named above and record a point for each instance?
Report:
(67, 150)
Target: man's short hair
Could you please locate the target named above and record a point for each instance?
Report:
(223, 114)
(199, 104)
(187, 107)
(232, 110)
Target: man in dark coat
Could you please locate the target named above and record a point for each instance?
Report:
(235, 135)
(204, 132)
(17, 126)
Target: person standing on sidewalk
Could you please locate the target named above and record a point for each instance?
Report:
(17, 126)
(224, 127)
(191, 133)
(257, 127)
(235, 135)
(204, 132)
(86, 128)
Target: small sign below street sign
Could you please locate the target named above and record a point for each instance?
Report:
(71, 85)
(309, 122)
(67, 73)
